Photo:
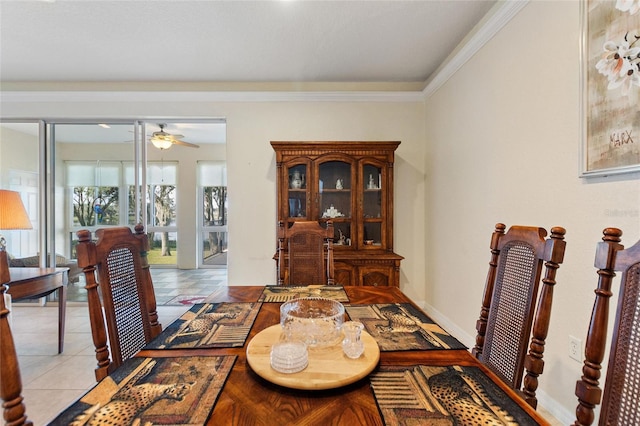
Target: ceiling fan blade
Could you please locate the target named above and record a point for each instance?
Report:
(183, 143)
(178, 136)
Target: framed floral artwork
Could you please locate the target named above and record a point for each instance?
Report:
(610, 87)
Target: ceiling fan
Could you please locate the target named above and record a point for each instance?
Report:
(164, 140)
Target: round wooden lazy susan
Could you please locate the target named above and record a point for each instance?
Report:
(328, 367)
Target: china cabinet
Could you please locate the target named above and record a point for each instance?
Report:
(351, 184)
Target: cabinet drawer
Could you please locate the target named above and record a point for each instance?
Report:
(343, 273)
(374, 275)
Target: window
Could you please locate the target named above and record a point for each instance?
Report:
(103, 194)
(213, 192)
(92, 168)
(161, 212)
(95, 189)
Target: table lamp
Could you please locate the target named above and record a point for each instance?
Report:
(12, 216)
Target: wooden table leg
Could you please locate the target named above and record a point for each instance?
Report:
(62, 309)
(30, 283)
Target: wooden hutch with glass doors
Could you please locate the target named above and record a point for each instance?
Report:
(351, 184)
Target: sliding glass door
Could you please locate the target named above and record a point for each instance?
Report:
(95, 178)
(20, 163)
(87, 174)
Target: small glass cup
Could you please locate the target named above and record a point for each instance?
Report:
(352, 344)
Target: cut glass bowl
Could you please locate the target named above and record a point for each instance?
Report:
(315, 321)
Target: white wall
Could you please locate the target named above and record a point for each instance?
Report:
(503, 137)
(251, 128)
(251, 164)
(499, 142)
(12, 142)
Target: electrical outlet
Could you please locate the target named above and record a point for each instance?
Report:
(575, 348)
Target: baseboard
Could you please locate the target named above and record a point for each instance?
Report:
(561, 414)
(449, 326)
(36, 303)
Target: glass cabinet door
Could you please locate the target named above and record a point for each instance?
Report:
(335, 201)
(297, 190)
(372, 206)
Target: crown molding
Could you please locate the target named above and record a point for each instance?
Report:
(484, 31)
(169, 96)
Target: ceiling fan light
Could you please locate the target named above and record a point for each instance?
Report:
(161, 143)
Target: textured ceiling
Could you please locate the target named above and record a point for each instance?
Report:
(137, 42)
(231, 41)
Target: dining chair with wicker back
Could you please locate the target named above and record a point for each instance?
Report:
(305, 253)
(124, 288)
(622, 386)
(516, 309)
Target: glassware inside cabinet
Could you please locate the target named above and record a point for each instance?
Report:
(335, 175)
(372, 200)
(334, 190)
(297, 191)
(372, 177)
(297, 204)
(342, 234)
(297, 177)
(372, 234)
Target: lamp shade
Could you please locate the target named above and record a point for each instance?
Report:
(12, 212)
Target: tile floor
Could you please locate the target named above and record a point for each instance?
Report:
(52, 381)
(168, 284)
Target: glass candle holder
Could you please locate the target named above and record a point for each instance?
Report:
(352, 344)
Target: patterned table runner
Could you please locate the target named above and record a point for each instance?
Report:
(209, 325)
(286, 293)
(158, 391)
(452, 395)
(400, 327)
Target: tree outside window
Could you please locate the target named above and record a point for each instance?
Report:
(160, 200)
(94, 186)
(161, 212)
(94, 206)
(212, 180)
(215, 214)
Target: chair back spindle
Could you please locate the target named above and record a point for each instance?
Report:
(622, 385)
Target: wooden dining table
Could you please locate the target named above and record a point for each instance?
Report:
(33, 283)
(248, 399)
